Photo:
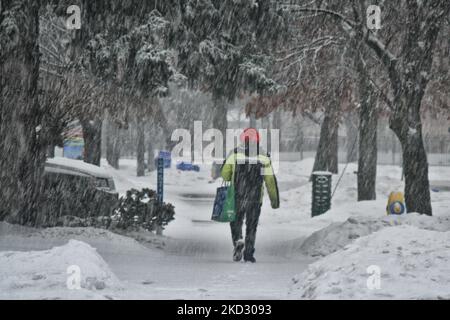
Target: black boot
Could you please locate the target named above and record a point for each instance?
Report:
(248, 255)
(238, 248)
(250, 259)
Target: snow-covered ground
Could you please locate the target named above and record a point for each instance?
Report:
(193, 259)
(402, 262)
(39, 274)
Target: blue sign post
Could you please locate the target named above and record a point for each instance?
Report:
(160, 183)
(160, 189)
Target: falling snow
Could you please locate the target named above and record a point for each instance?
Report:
(86, 113)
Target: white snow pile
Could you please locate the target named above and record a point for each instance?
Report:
(337, 235)
(15, 237)
(402, 262)
(53, 273)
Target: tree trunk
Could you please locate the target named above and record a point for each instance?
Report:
(112, 143)
(352, 137)
(265, 124)
(115, 152)
(151, 148)
(407, 125)
(92, 134)
(162, 128)
(51, 151)
(326, 155)
(415, 167)
(301, 143)
(140, 147)
(151, 156)
(276, 124)
(368, 152)
(394, 149)
(252, 122)
(220, 121)
(368, 123)
(406, 122)
(22, 153)
(333, 156)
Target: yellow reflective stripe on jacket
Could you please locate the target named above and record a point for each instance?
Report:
(270, 181)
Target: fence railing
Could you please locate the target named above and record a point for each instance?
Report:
(389, 149)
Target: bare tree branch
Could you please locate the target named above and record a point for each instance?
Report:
(332, 13)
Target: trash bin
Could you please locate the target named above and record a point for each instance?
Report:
(321, 192)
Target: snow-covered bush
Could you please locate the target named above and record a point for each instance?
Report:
(141, 209)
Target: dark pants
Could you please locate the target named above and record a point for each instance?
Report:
(251, 212)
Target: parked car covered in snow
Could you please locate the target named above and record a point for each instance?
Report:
(75, 188)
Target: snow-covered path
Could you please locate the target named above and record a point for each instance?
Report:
(185, 269)
(197, 260)
(189, 277)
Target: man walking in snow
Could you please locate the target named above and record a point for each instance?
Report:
(249, 169)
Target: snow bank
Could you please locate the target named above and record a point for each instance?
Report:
(337, 235)
(45, 274)
(413, 264)
(15, 237)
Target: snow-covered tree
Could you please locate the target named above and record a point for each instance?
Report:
(413, 26)
(226, 48)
